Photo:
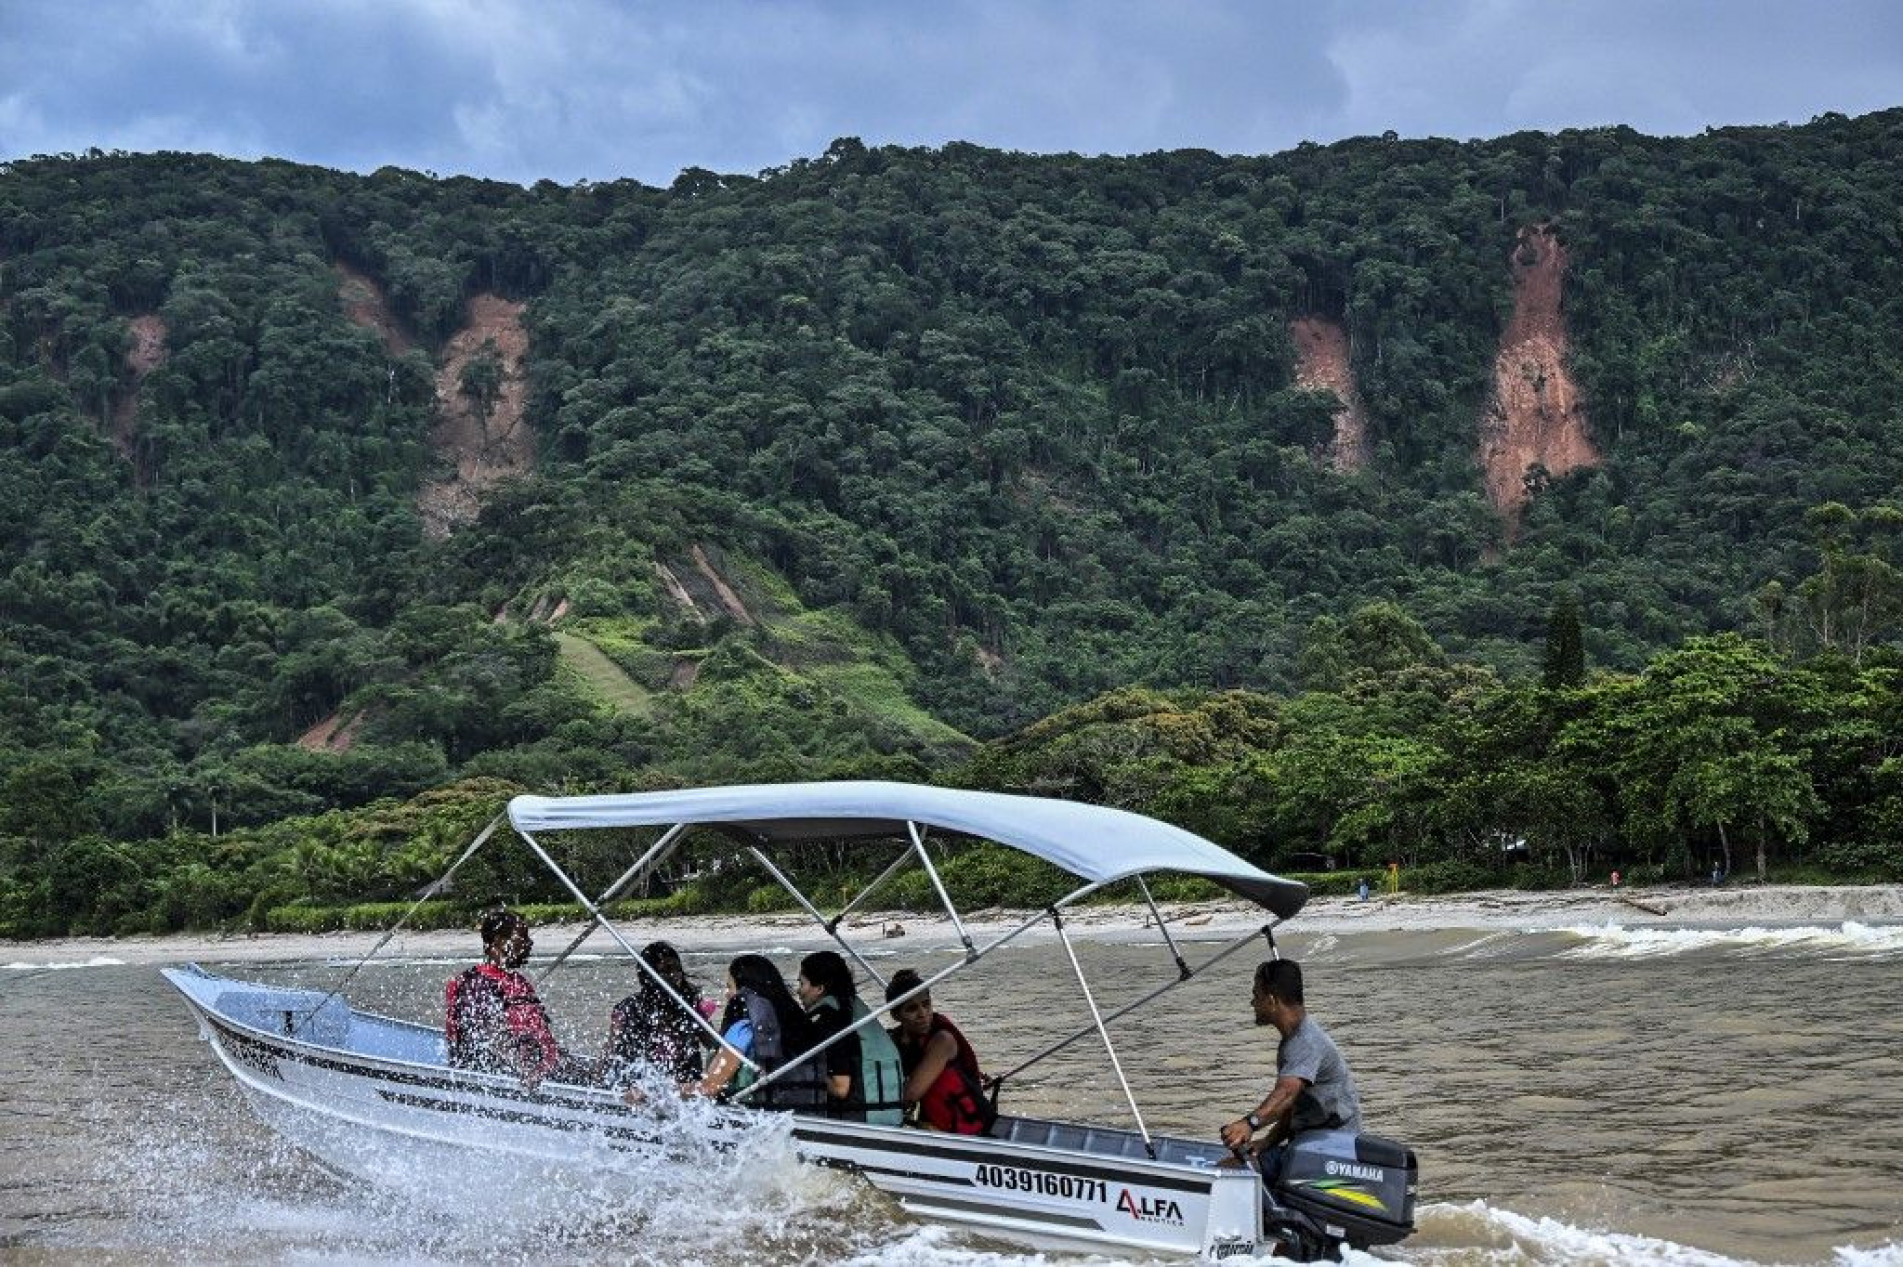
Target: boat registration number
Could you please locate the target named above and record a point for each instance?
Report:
(1042, 1182)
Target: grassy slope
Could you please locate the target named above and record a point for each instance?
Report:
(604, 677)
(615, 662)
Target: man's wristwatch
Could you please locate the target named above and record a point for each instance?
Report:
(1255, 1123)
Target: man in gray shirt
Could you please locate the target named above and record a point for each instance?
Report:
(1313, 1088)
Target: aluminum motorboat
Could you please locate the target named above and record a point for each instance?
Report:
(365, 1093)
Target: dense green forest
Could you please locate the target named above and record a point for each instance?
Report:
(949, 464)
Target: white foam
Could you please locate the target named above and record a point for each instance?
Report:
(722, 1196)
(1508, 1237)
(1477, 1232)
(1616, 941)
(1486, 946)
(102, 961)
(937, 1246)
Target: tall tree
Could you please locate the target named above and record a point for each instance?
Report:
(1713, 735)
(1564, 662)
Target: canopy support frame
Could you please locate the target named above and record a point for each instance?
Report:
(915, 831)
(900, 1000)
(925, 860)
(1128, 1008)
(655, 855)
(1182, 968)
(1103, 1031)
(896, 865)
(647, 969)
(831, 926)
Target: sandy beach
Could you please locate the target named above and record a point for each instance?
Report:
(1740, 906)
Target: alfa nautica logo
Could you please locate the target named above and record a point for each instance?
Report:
(1149, 1209)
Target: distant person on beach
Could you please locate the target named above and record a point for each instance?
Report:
(941, 1070)
(492, 1019)
(650, 1030)
(1313, 1089)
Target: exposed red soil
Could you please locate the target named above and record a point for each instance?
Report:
(542, 613)
(333, 734)
(1322, 364)
(698, 589)
(675, 590)
(146, 354)
(484, 449)
(148, 346)
(1535, 417)
(364, 304)
(728, 599)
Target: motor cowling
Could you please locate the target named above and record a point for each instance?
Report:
(1358, 1188)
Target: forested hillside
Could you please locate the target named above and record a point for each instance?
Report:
(318, 488)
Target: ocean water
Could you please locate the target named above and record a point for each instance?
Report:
(1601, 1094)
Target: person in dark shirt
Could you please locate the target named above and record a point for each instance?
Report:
(492, 1019)
(650, 1030)
(826, 991)
(863, 1071)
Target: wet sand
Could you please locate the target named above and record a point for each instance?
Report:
(1768, 906)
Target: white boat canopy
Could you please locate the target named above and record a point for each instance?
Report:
(1092, 842)
(1100, 846)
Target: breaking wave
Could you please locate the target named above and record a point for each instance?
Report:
(1616, 941)
(1890, 1255)
(1478, 1233)
(101, 961)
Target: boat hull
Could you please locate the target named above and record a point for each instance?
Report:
(374, 1099)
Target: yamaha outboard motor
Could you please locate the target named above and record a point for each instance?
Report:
(1339, 1188)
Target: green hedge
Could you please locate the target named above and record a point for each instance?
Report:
(1338, 883)
(985, 875)
(1451, 876)
(1185, 888)
(768, 898)
(1847, 862)
(1538, 879)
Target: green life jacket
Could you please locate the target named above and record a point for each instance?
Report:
(880, 1078)
(881, 1075)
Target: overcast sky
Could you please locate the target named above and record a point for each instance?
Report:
(599, 89)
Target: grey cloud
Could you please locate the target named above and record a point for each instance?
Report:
(1486, 67)
(352, 84)
(598, 89)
